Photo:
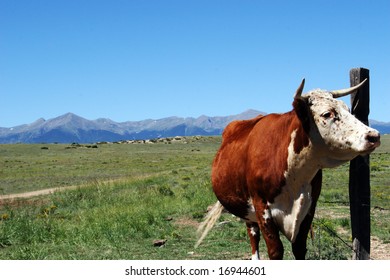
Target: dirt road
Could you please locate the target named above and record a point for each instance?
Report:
(35, 193)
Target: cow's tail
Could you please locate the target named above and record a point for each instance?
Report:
(209, 222)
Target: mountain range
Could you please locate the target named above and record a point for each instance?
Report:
(71, 128)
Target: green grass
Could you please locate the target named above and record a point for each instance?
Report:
(29, 167)
(111, 220)
(131, 195)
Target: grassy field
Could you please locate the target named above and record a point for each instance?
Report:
(129, 195)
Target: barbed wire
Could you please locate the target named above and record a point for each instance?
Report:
(337, 236)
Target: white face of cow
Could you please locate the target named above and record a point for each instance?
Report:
(344, 136)
(335, 133)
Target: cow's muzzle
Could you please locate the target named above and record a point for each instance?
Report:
(373, 139)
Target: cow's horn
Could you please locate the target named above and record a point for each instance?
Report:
(344, 92)
(298, 93)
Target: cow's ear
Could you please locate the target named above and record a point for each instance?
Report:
(301, 108)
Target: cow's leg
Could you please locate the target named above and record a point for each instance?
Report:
(254, 237)
(299, 246)
(269, 230)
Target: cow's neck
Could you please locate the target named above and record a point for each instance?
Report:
(302, 165)
(328, 162)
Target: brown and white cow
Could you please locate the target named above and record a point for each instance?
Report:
(268, 170)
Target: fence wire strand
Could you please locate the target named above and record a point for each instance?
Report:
(336, 236)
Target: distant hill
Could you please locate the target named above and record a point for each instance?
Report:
(71, 128)
(382, 127)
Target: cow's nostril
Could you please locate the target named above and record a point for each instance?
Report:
(373, 137)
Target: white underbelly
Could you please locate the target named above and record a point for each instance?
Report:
(289, 209)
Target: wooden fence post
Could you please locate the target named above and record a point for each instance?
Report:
(359, 172)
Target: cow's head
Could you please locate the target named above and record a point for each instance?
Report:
(330, 125)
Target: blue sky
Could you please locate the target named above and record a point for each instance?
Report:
(140, 59)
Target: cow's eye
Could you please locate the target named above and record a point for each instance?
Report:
(327, 115)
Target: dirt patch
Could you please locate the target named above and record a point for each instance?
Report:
(186, 222)
(379, 250)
